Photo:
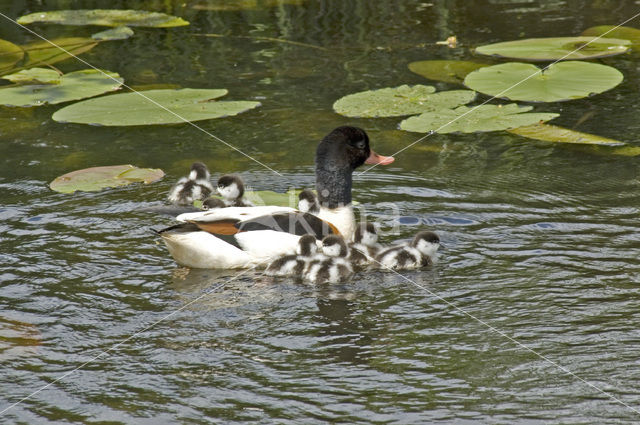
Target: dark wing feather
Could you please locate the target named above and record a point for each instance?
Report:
(297, 223)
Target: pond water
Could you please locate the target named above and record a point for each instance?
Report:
(530, 317)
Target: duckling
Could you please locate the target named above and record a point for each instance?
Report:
(332, 266)
(365, 246)
(193, 187)
(308, 202)
(421, 251)
(213, 203)
(231, 188)
(294, 265)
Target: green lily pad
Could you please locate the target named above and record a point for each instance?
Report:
(443, 70)
(559, 82)
(268, 197)
(117, 33)
(144, 108)
(480, 118)
(226, 5)
(104, 17)
(553, 133)
(624, 33)
(10, 54)
(399, 101)
(98, 178)
(45, 53)
(72, 86)
(558, 48)
(34, 76)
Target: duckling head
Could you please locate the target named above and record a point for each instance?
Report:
(307, 246)
(334, 246)
(230, 187)
(366, 234)
(426, 242)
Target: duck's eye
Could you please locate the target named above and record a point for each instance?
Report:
(360, 144)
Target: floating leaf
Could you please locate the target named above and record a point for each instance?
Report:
(398, 101)
(226, 5)
(104, 17)
(34, 76)
(98, 178)
(268, 197)
(72, 86)
(558, 82)
(553, 133)
(443, 70)
(10, 54)
(47, 53)
(144, 108)
(625, 33)
(480, 118)
(558, 48)
(118, 33)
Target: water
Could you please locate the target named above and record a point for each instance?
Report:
(541, 239)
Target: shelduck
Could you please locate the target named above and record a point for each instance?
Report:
(364, 247)
(195, 186)
(231, 188)
(421, 251)
(237, 237)
(295, 265)
(332, 266)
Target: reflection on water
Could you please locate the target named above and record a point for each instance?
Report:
(540, 239)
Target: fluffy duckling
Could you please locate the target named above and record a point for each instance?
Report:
(231, 188)
(294, 265)
(332, 266)
(365, 246)
(421, 251)
(193, 187)
(213, 203)
(308, 202)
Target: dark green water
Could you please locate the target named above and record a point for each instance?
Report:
(542, 239)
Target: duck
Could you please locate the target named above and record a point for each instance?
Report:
(420, 252)
(241, 237)
(365, 246)
(296, 264)
(213, 203)
(308, 202)
(231, 188)
(332, 266)
(196, 186)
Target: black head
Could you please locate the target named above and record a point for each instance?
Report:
(307, 245)
(229, 179)
(334, 246)
(199, 171)
(426, 236)
(365, 232)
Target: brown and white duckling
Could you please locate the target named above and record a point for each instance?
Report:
(294, 265)
(194, 187)
(332, 266)
(231, 188)
(421, 251)
(308, 202)
(365, 246)
(213, 203)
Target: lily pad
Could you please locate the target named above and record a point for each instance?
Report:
(10, 54)
(147, 108)
(117, 33)
(98, 178)
(399, 101)
(558, 82)
(480, 118)
(72, 86)
(46, 53)
(558, 48)
(625, 33)
(34, 76)
(226, 5)
(104, 17)
(553, 133)
(444, 70)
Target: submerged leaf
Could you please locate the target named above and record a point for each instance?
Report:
(556, 48)
(558, 82)
(553, 133)
(98, 178)
(471, 120)
(117, 33)
(50, 52)
(34, 76)
(625, 33)
(104, 17)
(72, 86)
(443, 70)
(398, 101)
(149, 108)
(10, 54)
